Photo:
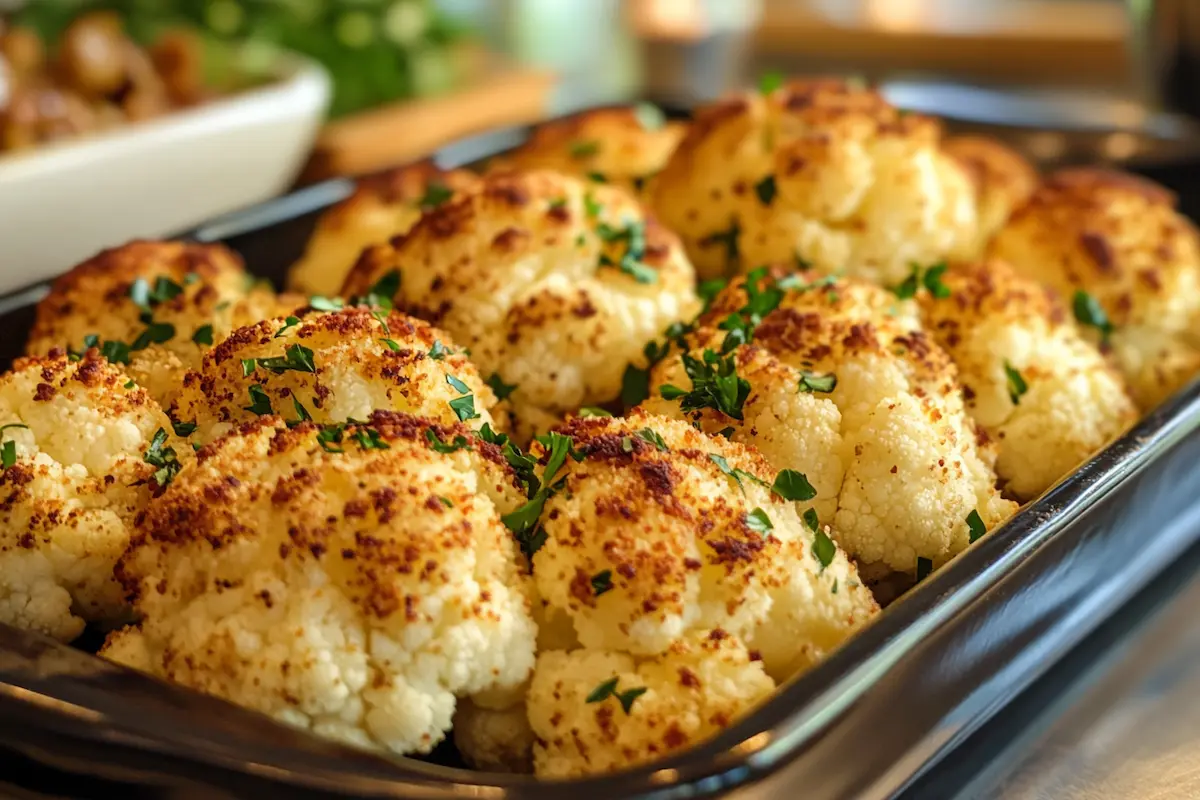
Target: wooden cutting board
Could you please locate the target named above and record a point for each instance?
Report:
(413, 129)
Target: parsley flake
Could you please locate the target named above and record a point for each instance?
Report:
(155, 333)
(8, 454)
(588, 412)
(602, 582)
(648, 435)
(203, 335)
(439, 446)
(633, 236)
(184, 429)
(1016, 383)
(525, 522)
(766, 191)
(715, 385)
(591, 206)
(609, 689)
(164, 458)
(370, 439)
(288, 324)
(302, 414)
(1089, 313)
(296, 357)
(248, 365)
(464, 407)
(708, 291)
(736, 475)
(435, 195)
(758, 521)
(768, 82)
(458, 385)
(381, 293)
(319, 303)
(792, 485)
(729, 238)
(975, 525)
(812, 382)
(331, 435)
(823, 549)
(501, 389)
(812, 520)
(392, 345)
(581, 149)
(260, 403)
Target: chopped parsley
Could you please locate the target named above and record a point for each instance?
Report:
(203, 335)
(445, 501)
(557, 203)
(715, 385)
(758, 521)
(626, 444)
(114, 352)
(163, 458)
(8, 454)
(248, 365)
(155, 333)
(797, 283)
(708, 291)
(924, 568)
(296, 358)
(184, 429)
(130, 384)
(975, 525)
(288, 324)
(766, 191)
(392, 345)
(591, 206)
(458, 385)
(648, 435)
(302, 414)
(609, 689)
(811, 519)
(260, 403)
(331, 435)
(381, 294)
(435, 194)
(930, 278)
(1016, 383)
(439, 446)
(587, 412)
(370, 439)
(823, 550)
(649, 116)
(147, 298)
(597, 177)
(525, 521)
(1089, 313)
(736, 475)
(633, 235)
(635, 386)
(602, 582)
(728, 238)
(812, 382)
(769, 82)
(792, 485)
(464, 407)
(319, 303)
(501, 389)
(583, 148)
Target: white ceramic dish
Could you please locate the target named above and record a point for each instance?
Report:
(62, 203)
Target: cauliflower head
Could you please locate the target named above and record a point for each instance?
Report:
(332, 367)
(1044, 394)
(844, 389)
(821, 172)
(80, 453)
(1003, 181)
(554, 285)
(352, 585)
(659, 529)
(154, 307)
(1115, 244)
(596, 711)
(624, 146)
(381, 207)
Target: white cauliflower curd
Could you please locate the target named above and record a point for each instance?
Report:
(81, 451)
(331, 367)
(833, 378)
(1129, 263)
(691, 582)
(822, 172)
(596, 711)
(352, 581)
(1003, 181)
(381, 207)
(154, 307)
(553, 284)
(624, 146)
(1043, 393)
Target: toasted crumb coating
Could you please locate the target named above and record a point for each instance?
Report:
(822, 172)
(1118, 238)
(74, 438)
(381, 207)
(353, 591)
(332, 367)
(553, 284)
(850, 392)
(1043, 393)
(1003, 181)
(198, 294)
(624, 146)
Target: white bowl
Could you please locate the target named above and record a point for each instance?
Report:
(62, 203)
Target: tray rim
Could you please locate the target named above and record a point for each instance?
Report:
(800, 708)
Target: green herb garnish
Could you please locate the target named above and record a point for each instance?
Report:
(203, 335)
(1089, 313)
(260, 403)
(288, 324)
(758, 521)
(501, 389)
(1016, 383)
(792, 485)
(602, 582)
(439, 446)
(812, 382)
(765, 189)
(609, 689)
(975, 525)
(823, 549)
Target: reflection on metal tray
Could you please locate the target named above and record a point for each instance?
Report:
(900, 696)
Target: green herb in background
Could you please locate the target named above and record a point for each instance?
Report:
(375, 50)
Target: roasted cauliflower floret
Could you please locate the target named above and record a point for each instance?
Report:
(553, 284)
(81, 450)
(351, 585)
(1130, 263)
(624, 146)
(1003, 181)
(154, 307)
(658, 529)
(821, 172)
(332, 367)
(1039, 389)
(381, 207)
(599, 711)
(825, 382)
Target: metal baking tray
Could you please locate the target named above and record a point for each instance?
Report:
(877, 715)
